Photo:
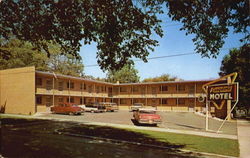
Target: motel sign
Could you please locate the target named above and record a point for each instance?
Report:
(222, 92)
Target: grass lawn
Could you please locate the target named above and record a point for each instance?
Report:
(220, 146)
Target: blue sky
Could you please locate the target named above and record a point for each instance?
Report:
(189, 67)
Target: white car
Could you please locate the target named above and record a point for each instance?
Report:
(136, 106)
(90, 108)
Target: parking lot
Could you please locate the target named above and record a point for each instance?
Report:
(170, 120)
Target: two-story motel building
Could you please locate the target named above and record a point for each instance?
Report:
(27, 91)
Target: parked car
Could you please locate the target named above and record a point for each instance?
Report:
(147, 116)
(67, 108)
(136, 106)
(110, 106)
(93, 107)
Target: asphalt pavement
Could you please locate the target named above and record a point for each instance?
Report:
(185, 121)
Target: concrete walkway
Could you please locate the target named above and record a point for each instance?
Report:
(244, 138)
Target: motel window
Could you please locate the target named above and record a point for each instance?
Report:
(39, 81)
(181, 101)
(135, 89)
(102, 88)
(84, 86)
(71, 100)
(38, 99)
(97, 89)
(180, 87)
(192, 88)
(164, 88)
(191, 101)
(60, 100)
(123, 101)
(136, 100)
(81, 86)
(81, 101)
(48, 84)
(90, 88)
(164, 101)
(115, 89)
(89, 100)
(70, 85)
(153, 101)
(123, 89)
(60, 85)
(153, 90)
(143, 90)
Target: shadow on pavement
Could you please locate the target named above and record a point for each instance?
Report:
(188, 126)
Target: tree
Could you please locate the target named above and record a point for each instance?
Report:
(24, 54)
(238, 60)
(210, 20)
(163, 77)
(128, 74)
(65, 64)
(121, 28)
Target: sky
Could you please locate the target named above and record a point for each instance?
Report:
(174, 41)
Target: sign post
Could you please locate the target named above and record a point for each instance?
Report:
(206, 115)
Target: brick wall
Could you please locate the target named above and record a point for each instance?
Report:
(17, 90)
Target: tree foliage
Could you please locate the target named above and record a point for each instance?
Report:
(162, 78)
(122, 29)
(23, 54)
(238, 60)
(128, 74)
(210, 20)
